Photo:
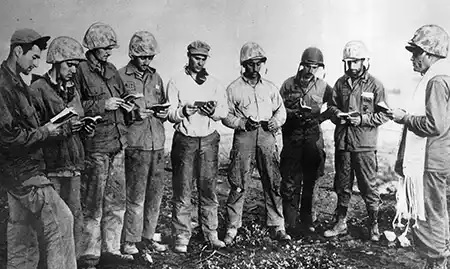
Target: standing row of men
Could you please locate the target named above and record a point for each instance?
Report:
(121, 157)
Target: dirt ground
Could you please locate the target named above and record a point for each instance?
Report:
(255, 249)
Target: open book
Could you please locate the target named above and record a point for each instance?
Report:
(132, 96)
(64, 115)
(203, 103)
(91, 120)
(349, 114)
(383, 107)
(159, 107)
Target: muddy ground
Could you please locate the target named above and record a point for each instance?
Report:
(255, 249)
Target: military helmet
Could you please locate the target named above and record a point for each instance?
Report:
(431, 38)
(143, 43)
(355, 50)
(64, 48)
(312, 55)
(100, 35)
(252, 50)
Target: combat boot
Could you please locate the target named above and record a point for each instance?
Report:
(339, 228)
(373, 226)
(213, 239)
(229, 237)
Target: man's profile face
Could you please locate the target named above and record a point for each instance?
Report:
(196, 62)
(67, 69)
(28, 61)
(102, 54)
(419, 60)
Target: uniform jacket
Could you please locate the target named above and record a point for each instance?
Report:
(361, 96)
(96, 83)
(21, 136)
(49, 99)
(148, 133)
(299, 123)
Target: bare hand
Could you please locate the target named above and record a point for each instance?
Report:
(356, 120)
(398, 115)
(76, 126)
(90, 129)
(189, 110)
(113, 103)
(162, 114)
(209, 108)
(127, 106)
(145, 113)
(272, 125)
(54, 129)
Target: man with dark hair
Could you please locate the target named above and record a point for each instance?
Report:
(256, 112)
(357, 117)
(197, 101)
(101, 91)
(424, 152)
(52, 93)
(303, 155)
(33, 203)
(144, 156)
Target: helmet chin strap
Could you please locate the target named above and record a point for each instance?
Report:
(365, 65)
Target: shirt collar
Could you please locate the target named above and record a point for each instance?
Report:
(131, 69)
(247, 81)
(103, 69)
(16, 79)
(364, 78)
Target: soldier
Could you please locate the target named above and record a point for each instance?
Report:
(303, 155)
(101, 89)
(33, 203)
(256, 112)
(52, 93)
(197, 101)
(424, 152)
(357, 117)
(144, 156)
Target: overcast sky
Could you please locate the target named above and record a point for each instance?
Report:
(284, 28)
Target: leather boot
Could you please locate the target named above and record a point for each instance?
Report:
(373, 226)
(340, 227)
(213, 239)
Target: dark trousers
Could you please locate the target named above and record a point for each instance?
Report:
(364, 166)
(194, 157)
(301, 164)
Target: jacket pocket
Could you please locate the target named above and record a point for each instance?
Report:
(367, 99)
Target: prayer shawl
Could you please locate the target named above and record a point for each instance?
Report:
(410, 191)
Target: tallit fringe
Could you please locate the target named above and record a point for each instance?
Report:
(406, 207)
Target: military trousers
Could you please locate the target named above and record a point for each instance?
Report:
(364, 166)
(104, 204)
(257, 146)
(301, 165)
(144, 170)
(194, 158)
(39, 209)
